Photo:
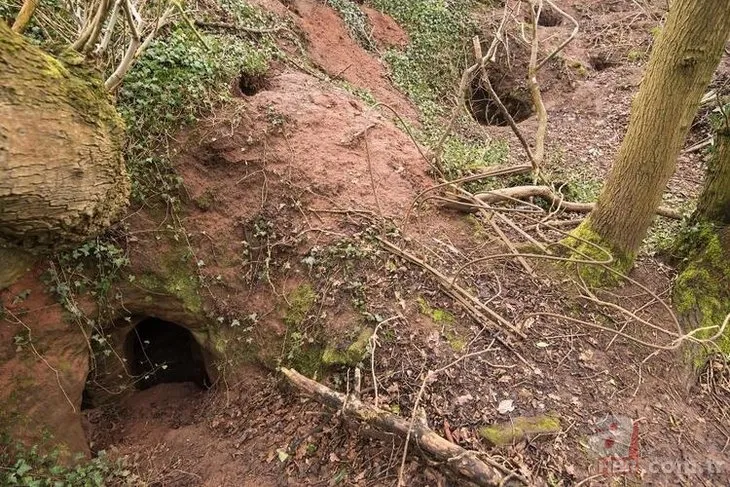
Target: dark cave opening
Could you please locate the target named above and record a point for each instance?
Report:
(249, 85)
(485, 110)
(160, 351)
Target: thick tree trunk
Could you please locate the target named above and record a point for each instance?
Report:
(714, 202)
(62, 176)
(681, 65)
(701, 291)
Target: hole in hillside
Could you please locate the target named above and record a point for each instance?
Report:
(602, 61)
(160, 351)
(486, 111)
(249, 85)
(549, 17)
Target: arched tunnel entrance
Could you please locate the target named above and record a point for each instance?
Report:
(159, 351)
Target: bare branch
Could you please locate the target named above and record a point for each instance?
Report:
(24, 16)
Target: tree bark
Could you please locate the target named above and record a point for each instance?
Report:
(680, 68)
(714, 202)
(701, 294)
(62, 175)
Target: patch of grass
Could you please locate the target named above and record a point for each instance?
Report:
(205, 201)
(462, 157)
(637, 55)
(662, 235)
(428, 70)
(574, 183)
(361, 93)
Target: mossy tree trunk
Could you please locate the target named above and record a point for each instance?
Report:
(62, 175)
(679, 70)
(714, 202)
(702, 289)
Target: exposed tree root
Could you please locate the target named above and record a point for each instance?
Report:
(518, 192)
(460, 462)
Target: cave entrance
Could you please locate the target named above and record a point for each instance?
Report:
(160, 351)
(484, 108)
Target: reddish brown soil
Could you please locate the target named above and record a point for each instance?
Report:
(33, 331)
(331, 48)
(386, 31)
(303, 164)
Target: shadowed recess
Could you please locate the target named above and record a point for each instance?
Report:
(160, 351)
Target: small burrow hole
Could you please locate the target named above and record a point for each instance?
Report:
(486, 111)
(249, 85)
(549, 17)
(601, 61)
(159, 352)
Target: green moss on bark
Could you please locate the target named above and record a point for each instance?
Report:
(585, 244)
(701, 291)
(520, 428)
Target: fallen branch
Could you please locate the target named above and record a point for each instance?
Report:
(457, 460)
(236, 27)
(478, 310)
(545, 192)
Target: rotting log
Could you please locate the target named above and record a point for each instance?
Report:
(62, 175)
(457, 460)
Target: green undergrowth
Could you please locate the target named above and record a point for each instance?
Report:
(90, 268)
(463, 156)
(355, 20)
(429, 68)
(176, 81)
(662, 235)
(51, 26)
(428, 71)
(30, 467)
